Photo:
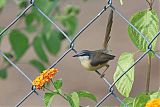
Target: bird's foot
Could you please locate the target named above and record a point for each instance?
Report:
(103, 74)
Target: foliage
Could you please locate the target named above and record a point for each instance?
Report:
(48, 97)
(125, 61)
(3, 73)
(140, 100)
(72, 98)
(146, 22)
(2, 3)
(86, 94)
(47, 39)
(19, 43)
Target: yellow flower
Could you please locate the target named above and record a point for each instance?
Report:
(48, 74)
(45, 77)
(153, 103)
(38, 82)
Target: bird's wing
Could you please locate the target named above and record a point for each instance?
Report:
(101, 58)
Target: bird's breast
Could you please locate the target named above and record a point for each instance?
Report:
(87, 65)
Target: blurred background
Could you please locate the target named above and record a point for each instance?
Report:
(75, 77)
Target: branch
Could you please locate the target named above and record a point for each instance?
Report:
(150, 2)
(148, 74)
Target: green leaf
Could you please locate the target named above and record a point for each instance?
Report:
(69, 19)
(37, 43)
(71, 10)
(52, 41)
(46, 26)
(73, 99)
(2, 3)
(141, 100)
(9, 55)
(22, 4)
(3, 73)
(128, 101)
(124, 85)
(48, 97)
(59, 91)
(19, 43)
(47, 7)
(30, 28)
(87, 94)
(70, 101)
(29, 18)
(155, 95)
(70, 23)
(38, 65)
(61, 36)
(58, 83)
(147, 23)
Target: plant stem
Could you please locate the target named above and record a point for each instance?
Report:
(59, 92)
(148, 74)
(62, 96)
(150, 2)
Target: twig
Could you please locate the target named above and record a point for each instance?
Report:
(59, 92)
(148, 74)
(150, 2)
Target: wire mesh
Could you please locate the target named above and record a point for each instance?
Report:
(110, 91)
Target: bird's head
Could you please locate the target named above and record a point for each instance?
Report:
(84, 54)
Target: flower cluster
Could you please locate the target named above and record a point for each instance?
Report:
(153, 103)
(45, 77)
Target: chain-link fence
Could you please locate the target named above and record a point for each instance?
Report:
(110, 91)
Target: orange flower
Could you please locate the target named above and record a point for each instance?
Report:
(153, 103)
(38, 82)
(44, 77)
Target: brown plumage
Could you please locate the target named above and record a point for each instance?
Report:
(100, 57)
(94, 60)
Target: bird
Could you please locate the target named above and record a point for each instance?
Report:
(94, 60)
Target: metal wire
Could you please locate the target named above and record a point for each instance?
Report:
(129, 23)
(15, 66)
(43, 14)
(88, 24)
(103, 99)
(138, 60)
(15, 20)
(56, 62)
(109, 91)
(23, 99)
